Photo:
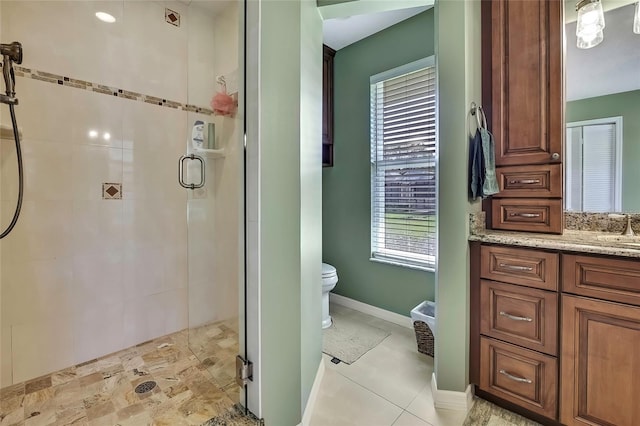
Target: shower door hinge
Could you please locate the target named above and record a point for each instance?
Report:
(244, 371)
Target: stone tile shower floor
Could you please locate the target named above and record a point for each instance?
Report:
(189, 390)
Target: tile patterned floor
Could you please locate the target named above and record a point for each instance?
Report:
(389, 385)
(101, 392)
(216, 346)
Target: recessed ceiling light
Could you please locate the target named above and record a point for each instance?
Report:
(105, 17)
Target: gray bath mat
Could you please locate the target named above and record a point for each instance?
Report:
(348, 340)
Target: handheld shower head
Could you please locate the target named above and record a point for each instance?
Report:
(13, 51)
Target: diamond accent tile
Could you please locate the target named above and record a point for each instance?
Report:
(172, 17)
(111, 191)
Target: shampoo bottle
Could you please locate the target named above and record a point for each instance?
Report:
(197, 135)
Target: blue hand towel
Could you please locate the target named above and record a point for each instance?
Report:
(490, 184)
(476, 166)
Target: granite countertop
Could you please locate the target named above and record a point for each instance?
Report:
(572, 240)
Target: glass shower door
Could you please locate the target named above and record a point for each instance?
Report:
(213, 164)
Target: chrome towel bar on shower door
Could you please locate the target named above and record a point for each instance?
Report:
(181, 171)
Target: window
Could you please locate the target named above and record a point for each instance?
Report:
(403, 165)
(593, 181)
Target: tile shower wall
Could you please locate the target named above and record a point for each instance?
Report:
(82, 276)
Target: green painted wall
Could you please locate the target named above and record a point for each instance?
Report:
(458, 61)
(289, 218)
(310, 195)
(346, 208)
(627, 105)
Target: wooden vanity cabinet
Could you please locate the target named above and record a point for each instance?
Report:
(555, 335)
(514, 326)
(522, 97)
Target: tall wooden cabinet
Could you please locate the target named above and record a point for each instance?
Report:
(522, 95)
(327, 105)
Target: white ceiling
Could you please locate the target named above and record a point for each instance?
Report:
(611, 67)
(341, 32)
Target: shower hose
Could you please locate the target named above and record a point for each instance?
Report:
(16, 138)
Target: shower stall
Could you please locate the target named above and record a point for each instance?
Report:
(131, 232)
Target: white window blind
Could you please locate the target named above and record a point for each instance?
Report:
(598, 168)
(593, 178)
(403, 166)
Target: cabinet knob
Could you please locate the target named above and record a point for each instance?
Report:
(555, 156)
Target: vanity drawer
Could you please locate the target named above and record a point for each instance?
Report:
(526, 267)
(539, 181)
(518, 375)
(617, 280)
(525, 316)
(530, 215)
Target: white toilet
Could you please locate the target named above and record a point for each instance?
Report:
(329, 280)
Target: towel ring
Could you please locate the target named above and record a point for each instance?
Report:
(478, 112)
(481, 124)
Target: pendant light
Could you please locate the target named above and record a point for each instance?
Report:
(636, 19)
(589, 40)
(590, 23)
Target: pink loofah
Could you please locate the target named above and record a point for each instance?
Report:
(223, 104)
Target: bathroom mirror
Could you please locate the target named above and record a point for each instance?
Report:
(602, 114)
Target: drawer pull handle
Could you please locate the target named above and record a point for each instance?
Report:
(514, 317)
(524, 181)
(516, 267)
(525, 214)
(515, 378)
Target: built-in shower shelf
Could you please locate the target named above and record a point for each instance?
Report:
(210, 153)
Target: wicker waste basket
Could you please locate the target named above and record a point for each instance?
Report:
(424, 324)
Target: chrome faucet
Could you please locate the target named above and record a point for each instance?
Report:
(628, 230)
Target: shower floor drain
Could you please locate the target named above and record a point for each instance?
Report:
(145, 387)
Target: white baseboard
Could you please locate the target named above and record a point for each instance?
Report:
(371, 310)
(451, 400)
(313, 395)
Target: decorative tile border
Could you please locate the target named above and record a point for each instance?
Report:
(105, 90)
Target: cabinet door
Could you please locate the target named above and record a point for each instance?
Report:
(526, 83)
(600, 364)
(327, 106)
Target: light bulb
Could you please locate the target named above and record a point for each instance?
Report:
(105, 17)
(589, 40)
(590, 17)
